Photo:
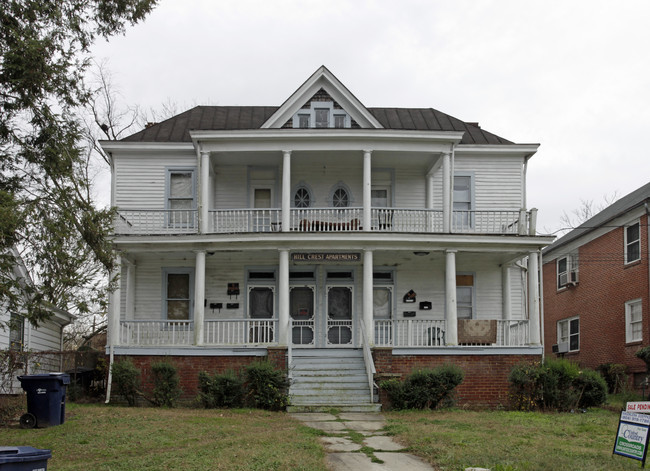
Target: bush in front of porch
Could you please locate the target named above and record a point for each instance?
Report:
(424, 389)
(556, 384)
(262, 386)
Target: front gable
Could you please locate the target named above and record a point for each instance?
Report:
(322, 94)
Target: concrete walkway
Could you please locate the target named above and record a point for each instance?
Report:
(356, 441)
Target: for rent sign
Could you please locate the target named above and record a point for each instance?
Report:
(632, 436)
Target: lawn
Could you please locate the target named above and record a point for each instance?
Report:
(119, 438)
(511, 441)
(114, 438)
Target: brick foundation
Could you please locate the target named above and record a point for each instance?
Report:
(189, 367)
(485, 384)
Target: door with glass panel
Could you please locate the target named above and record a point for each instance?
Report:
(261, 216)
(301, 310)
(339, 328)
(261, 306)
(463, 220)
(382, 313)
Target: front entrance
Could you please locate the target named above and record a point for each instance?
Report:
(326, 320)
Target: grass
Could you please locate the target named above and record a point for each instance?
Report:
(118, 438)
(514, 441)
(113, 438)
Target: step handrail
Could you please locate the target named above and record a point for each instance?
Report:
(370, 365)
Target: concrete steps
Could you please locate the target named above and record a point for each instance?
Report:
(325, 379)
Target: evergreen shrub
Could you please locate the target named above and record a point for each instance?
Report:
(221, 390)
(424, 389)
(126, 378)
(266, 387)
(166, 390)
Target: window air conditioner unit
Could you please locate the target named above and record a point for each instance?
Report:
(562, 347)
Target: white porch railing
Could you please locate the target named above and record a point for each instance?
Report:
(156, 221)
(156, 333)
(235, 221)
(326, 219)
(241, 332)
(431, 333)
(489, 222)
(406, 220)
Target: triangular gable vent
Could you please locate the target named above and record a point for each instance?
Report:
(322, 101)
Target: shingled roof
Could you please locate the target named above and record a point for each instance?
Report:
(225, 118)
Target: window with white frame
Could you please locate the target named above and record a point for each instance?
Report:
(462, 202)
(633, 321)
(180, 201)
(178, 288)
(632, 242)
(340, 198)
(321, 114)
(16, 332)
(568, 331)
(567, 270)
(465, 296)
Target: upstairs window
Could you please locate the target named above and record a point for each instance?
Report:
(302, 198)
(321, 115)
(632, 243)
(462, 202)
(180, 200)
(340, 199)
(567, 271)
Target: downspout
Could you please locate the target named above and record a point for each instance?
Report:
(541, 300)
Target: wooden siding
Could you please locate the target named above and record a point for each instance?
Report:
(423, 275)
(497, 181)
(140, 180)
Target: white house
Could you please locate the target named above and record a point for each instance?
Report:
(24, 348)
(322, 233)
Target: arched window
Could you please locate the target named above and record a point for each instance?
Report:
(340, 198)
(302, 198)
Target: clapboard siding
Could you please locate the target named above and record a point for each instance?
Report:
(424, 275)
(231, 187)
(47, 336)
(4, 330)
(497, 181)
(140, 180)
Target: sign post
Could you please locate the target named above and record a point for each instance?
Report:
(632, 436)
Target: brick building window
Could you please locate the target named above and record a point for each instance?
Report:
(568, 331)
(567, 271)
(633, 321)
(632, 243)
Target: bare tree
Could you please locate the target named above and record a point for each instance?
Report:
(584, 212)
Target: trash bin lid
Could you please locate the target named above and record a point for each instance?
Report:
(63, 378)
(17, 454)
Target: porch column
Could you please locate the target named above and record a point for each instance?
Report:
(533, 299)
(367, 297)
(286, 190)
(114, 321)
(204, 194)
(446, 192)
(283, 298)
(450, 299)
(506, 291)
(199, 297)
(130, 290)
(367, 187)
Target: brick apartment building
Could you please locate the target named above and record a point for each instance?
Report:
(596, 288)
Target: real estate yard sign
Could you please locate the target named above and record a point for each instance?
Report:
(632, 436)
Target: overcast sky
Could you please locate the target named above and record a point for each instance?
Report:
(573, 76)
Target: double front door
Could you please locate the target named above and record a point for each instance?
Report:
(322, 321)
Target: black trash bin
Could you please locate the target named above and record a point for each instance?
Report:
(45, 399)
(23, 458)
